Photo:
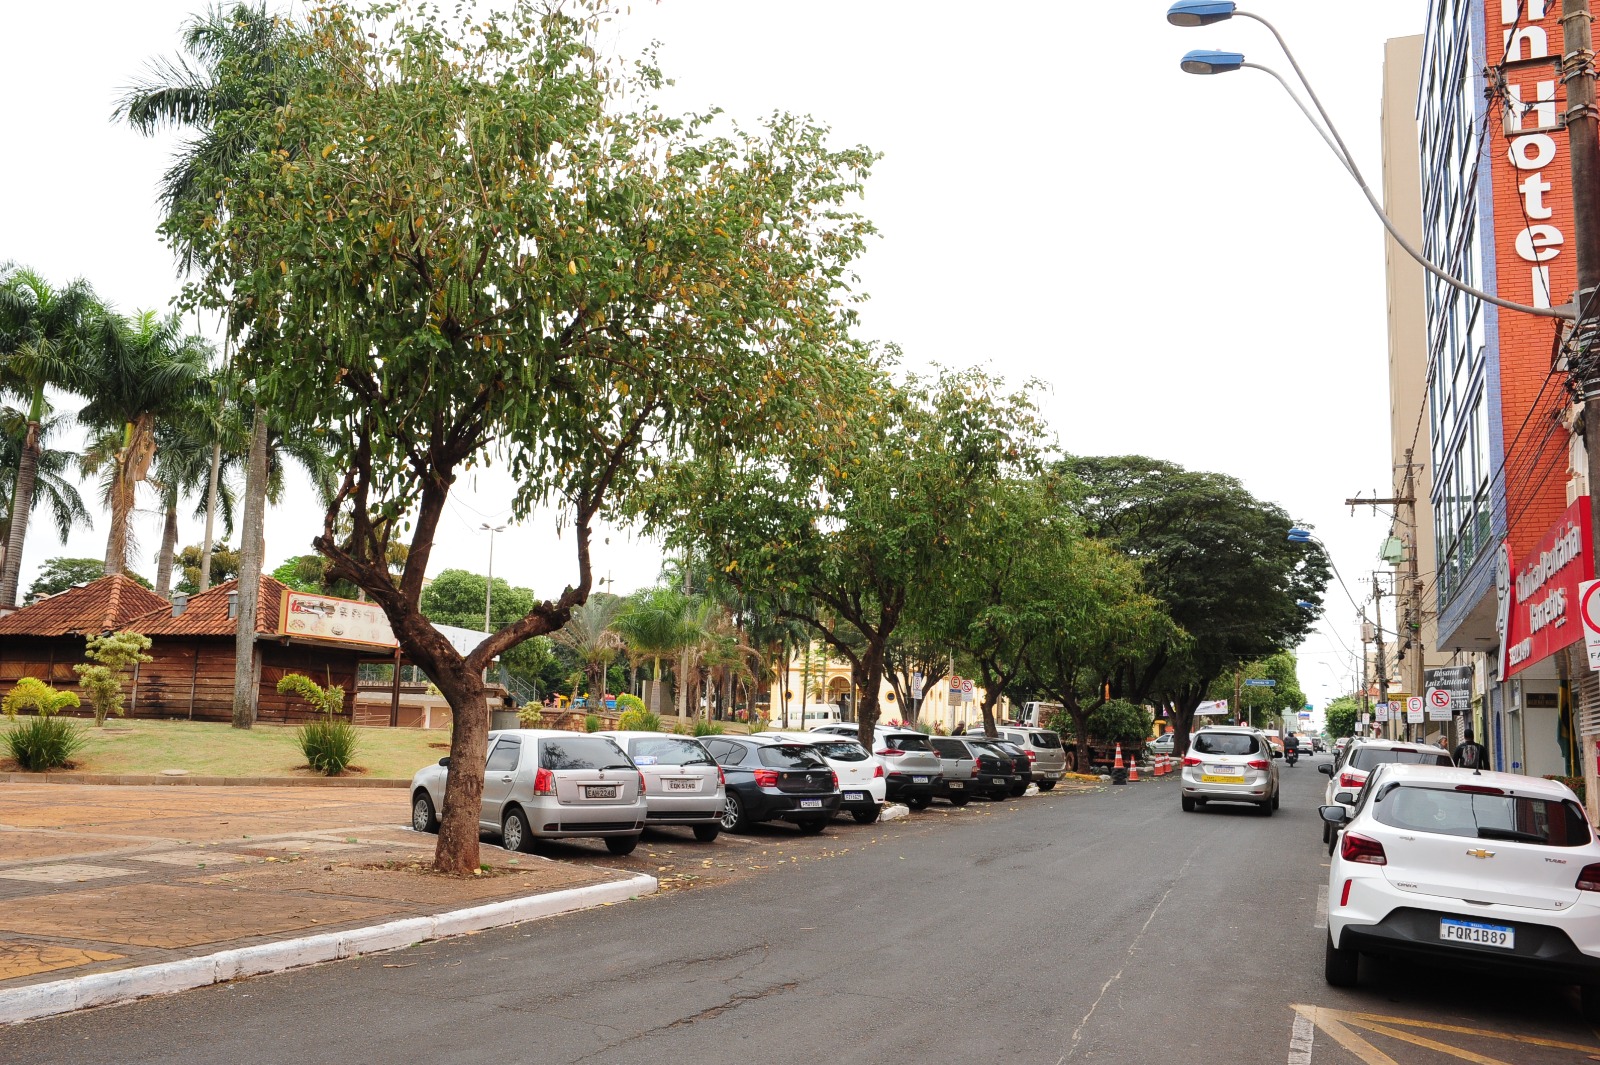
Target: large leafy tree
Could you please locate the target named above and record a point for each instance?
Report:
(1263, 703)
(59, 574)
(474, 241)
(48, 337)
(52, 485)
(456, 597)
(592, 637)
(656, 623)
(1218, 559)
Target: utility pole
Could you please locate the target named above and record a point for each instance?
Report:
(1583, 141)
(1377, 632)
(1408, 624)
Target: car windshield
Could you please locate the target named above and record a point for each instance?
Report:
(1226, 743)
(1518, 818)
(1045, 739)
(582, 752)
(1368, 757)
(950, 748)
(841, 750)
(669, 750)
(910, 741)
(790, 756)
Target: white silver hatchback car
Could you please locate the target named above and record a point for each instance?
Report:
(1489, 870)
(1230, 763)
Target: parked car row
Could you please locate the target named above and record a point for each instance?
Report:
(551, 784)
(1478, 870)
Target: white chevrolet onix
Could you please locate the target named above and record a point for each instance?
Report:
(1475, 869)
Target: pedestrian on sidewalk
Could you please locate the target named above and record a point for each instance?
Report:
(1469, 754)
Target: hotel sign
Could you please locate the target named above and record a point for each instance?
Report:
(1539, 610)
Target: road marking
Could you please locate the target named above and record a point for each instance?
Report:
(1301, 1036)
(1322, 907)
(1339, 1024)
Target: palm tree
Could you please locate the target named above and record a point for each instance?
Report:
(655, 625)
(145, 370)
(46, 339)
(184, 449)
(590, 634)
(50, 485)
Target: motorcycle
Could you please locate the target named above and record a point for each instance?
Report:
(1292, 755)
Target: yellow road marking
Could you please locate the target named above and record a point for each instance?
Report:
(1338, 1024)
(1430, 1044)
(1352, 1042)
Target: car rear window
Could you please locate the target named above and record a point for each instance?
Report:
(582, 752)
(841, 750)
(668, 750)
(790, 756)
(1368, 757)
(911, 741)
(1226, 743)
(950, 748)
(1519, 818)
(1045, 739)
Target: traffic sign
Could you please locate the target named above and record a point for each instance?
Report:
(1260, 682)
(1382, 710)
(1439, 704)
(1589, 611)
(1414, 710)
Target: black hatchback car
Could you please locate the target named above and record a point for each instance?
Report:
(774, 780)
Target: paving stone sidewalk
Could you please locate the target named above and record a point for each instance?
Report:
(96, 878)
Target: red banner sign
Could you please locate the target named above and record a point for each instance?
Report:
(1539, 599)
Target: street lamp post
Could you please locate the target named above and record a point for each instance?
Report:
(488, 586)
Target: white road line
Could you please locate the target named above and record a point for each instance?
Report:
(1322, 907)
(1301, 1035)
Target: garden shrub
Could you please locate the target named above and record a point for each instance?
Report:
(112, 656)
(629, 702)
(706, 728)
(1119, 721)
(33, 696)
(329, 742)
(43, 741)
(592, 723)
(638, 719)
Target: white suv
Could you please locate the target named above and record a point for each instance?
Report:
(1478, 869)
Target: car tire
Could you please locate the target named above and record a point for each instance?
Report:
(812, 826)
(621, 846)
(1275, 797)
(1018, 790)
(1188, 804)
(515, 835)
(918, 802)
(707, 833)
(960, 800)
(424, 818)
(1327, 831)
(1589, 1002)
(1267, 808)
(867, 816)
(1339, 966)
(733, 817)
(1046, 785)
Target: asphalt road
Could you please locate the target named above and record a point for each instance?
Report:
(1101, 927)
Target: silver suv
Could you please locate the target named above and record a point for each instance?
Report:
(1229, 763)
(1044, 751)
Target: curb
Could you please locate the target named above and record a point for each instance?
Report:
(124, 985)
(143, 779)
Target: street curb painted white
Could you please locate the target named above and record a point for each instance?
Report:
(124, 985)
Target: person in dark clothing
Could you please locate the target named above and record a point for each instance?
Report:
(1470, 754)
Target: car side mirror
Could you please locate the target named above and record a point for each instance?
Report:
(1334, 815)
(1346, 797)
(1325, 768)
(445, 761)
(1277, 754)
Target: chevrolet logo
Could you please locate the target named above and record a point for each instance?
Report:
(1480, 854)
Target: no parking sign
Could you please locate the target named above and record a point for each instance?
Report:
(1589, 611)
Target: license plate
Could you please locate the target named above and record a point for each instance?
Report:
(919, 780)
(958, 784)
(1212, 778)
(680, 785)
(608, 791)
(810, 804)
(855, 796)
(1484, 935)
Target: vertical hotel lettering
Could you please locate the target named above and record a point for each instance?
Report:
(1530, 112)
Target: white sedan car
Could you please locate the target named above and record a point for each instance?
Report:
(1488, 870)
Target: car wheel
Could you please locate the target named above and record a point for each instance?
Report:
(1046, 785)
(1267, 808)
(1275, 797)
(1339, 965)
(514, 832)
(812, 826)
(423, 816)
(1188, 804)
(960, 800)
(621, 845)
(1018, 790)
(707, 833)
(1589, 1002)
(1326, 829)
(919, 802)
(867, 816)
(733, 818)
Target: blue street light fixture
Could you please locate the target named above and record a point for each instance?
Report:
(1298, 535)
(1203, 61)
(1305, 604)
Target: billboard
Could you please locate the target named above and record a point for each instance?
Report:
(324, 617)
(1538, 599)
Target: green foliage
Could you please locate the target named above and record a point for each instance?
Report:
(1263, 704)
(706, 728)
(59, 574)
(309, 573)
(1119, 721)
(224, 566)
(41, 743)
(1576, 784)
(626, 702)
(1341, 716)
(329, 742)
(592, 723)
(327, 701)
(455, 597)
(638, 719)
(30, 695)
(113, 656)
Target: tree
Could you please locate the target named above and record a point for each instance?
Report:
(51, 484)
(109, 658)
(1263, 704)
(1218, 559)
(655, 624)
(144, 371)
(47, 338)
(59, 574)
(1341, 716)
(224, 567)
(185, 444)
(456, 598)
(589, 633)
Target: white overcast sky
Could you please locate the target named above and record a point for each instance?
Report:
(1178, 257)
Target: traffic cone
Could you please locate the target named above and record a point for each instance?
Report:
(1118, 764)
(1161, 765)
(1133, 771)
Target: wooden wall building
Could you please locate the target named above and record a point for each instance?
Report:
(46, 639)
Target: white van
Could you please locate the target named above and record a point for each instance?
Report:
(1037, 715)
(819, 714)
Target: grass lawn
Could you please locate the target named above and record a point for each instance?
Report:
(129, 745)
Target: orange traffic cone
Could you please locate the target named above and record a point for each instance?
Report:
(1160, 765)
(1118, 763)
(1133, 770)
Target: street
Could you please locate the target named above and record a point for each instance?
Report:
(1104, 926)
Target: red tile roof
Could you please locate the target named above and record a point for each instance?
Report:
(105, 605)
(207, 613)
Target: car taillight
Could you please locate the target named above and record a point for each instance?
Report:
(1031, 756)
(877, 771)
(641, 783)
(1259, 763)
(888, 752)
(1589, 879)
(544, 782)
(1190, 759)
(1350, 780)
(1361, 849)
(722, 778)
(835, 777)
(766, 778)
(1482, 789)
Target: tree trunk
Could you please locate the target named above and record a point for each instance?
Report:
(169, 544)
(457, 849)
(21, 504)
(867, 704)
(211, 515)
(250, 545)
(132, 466)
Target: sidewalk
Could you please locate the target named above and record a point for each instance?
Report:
(104, 880)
